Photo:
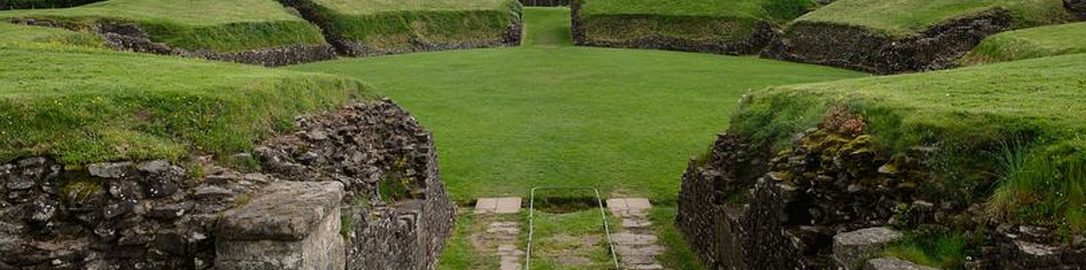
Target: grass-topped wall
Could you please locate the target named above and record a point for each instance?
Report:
(20, 4)
(83, 105)
(207, 28)
(1029, 43)
(379, 27)
(1007, 136)
(980, 167)
(729, 27)
(906, 35)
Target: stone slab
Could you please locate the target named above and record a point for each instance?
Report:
(894, 264)
(508, 205)
(631, 239)
(850, 249)
(631, 223)
(282, 211)
(504, 205)
(617, 205)
(486, 205)
(629, 206)
(288, 225)
(638, 204)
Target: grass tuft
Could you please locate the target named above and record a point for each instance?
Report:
(945, 251)
(1038, 187)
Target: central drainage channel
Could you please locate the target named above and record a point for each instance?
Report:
(598, 204)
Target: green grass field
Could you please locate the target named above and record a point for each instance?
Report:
(1029, 43)
(901, 18)
(84, 105)
(1019, 120)
(546, 113)
(223, 26)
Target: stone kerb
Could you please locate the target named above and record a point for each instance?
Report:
(287, 225)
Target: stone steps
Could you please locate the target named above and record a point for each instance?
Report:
(635, 240)
(504, 233)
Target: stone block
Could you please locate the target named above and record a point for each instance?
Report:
(629, 206)
(506, 205)
(287, 225)
(851, 249)
(894, 264)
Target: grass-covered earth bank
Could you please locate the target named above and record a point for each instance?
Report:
(250, 31)
(975, 164)
(380, 27)
(732, 27)
(84, 105)
(906, 35)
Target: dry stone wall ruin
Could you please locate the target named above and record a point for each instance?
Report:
(312, 192)
(858, 48)
(832, 201)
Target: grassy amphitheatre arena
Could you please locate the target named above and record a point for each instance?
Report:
(494, 134)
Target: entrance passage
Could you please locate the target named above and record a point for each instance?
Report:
(573, 235)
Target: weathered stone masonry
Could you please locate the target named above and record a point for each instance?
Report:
(157, 215)
(857, 48)
(741, 209)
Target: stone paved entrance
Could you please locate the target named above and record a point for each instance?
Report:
(502, 229)
(635, 242)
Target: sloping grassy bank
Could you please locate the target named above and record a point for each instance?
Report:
(23, 33)
(19, 4)
(1007, 136)
(376, 27)
(219, 26)
(84, 105)
(733, 27)
(897, 36)
(1029, 43)
(900, 18)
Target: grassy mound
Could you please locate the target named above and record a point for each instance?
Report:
(900, 18)
(375, 27)
(18, 4)
(1029, 43)
(85, 105)
(219, 26)
(1008, 134)
(734, 27)
(897, 36)
(11, 33)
